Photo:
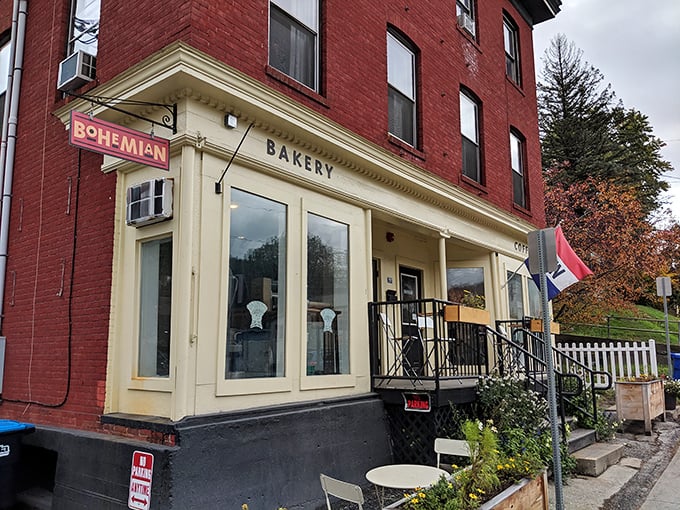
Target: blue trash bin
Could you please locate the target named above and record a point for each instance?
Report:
(675, 359)
(11, 433)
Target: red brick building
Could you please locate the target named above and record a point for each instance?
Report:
(395, 145)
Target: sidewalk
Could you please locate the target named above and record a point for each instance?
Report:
(646, 478)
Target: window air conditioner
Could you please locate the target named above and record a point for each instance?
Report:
(149, 202)
(466, 22)
(76, 70)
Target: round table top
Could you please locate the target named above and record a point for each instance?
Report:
(404, 476)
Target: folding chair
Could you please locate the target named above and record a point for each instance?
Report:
(455, 447)
(341, 490)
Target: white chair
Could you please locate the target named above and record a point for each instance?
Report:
(341, 490)
(456, 447)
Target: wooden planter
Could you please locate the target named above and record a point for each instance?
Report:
(640, 401)
(460, 313)
(526, 494)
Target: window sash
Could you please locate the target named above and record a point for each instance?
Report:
(401, 116)
(154, 308)
(401, 67)
(510, 41)
(327, 296)
(84, 27)
(465, 7)
(256, 299)
(517, 164)
(293, 46)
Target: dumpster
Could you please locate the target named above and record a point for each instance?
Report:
(11, 433)
(675, 359)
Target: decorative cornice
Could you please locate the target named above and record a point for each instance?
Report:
(203, 79)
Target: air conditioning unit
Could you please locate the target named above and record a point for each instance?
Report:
(76, 70)
(149, 202)
(466, 22)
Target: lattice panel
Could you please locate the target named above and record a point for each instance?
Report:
(413, 433)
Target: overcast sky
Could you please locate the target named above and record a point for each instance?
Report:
(636, 46)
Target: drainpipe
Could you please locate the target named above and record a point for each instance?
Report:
(9, 134)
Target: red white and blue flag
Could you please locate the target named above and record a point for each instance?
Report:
(570, 268)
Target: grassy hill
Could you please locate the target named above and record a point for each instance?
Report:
(642, 324)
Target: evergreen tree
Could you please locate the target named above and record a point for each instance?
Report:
(586, 133)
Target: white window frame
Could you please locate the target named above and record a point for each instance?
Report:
(308, 21)
(512, 56)
(470, 105)
(403, 88)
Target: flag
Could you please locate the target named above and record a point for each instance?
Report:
(570, 268)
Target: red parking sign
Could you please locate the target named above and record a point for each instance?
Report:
(141, 474)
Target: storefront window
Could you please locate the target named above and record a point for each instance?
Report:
(256, 311)
(466, 286)
(515, 300)
(154, 310)
(327, 296)
(534, 299)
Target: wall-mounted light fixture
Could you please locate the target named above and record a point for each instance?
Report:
(230, 121)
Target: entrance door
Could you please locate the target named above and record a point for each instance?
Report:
(410, 291)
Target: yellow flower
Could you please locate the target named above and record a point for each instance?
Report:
(453, 466)
(244, 506)
(472, 495)
(480, 491)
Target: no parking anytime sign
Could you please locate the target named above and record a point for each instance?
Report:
(141, 474)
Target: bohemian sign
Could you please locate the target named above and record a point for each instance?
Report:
(108, 138)
(139, 497)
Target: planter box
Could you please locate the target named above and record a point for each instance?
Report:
(460, 313)
(640, 401)
(536, 326)
(525, 495)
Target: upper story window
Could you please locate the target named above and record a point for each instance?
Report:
(469, 130)
(84, 29)
(465, 13)
(4, 75)
(401, 79)
(294, 39)
(511, 43)
(517, 161)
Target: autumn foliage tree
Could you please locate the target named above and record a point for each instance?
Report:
(606, 226)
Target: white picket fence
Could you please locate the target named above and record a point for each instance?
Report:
(621, 360)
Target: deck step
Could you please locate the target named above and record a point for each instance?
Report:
(581, 438)
(594, 460)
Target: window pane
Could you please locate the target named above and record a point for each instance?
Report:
(400, 67)
(535, 308)
(464, 7)
(305, 11)
(154, 310)
(256, 300)
(516, 154)
(466, 286)
(292, 48)
(515, 300)
(85, 26)
(327, 296)
(518, 189)
(471, 160)
(468, 118)
(511, 51)
(401, 116)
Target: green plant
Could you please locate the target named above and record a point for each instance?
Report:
(473, 300)
(672, 387)
(580, 408)
(506, 402)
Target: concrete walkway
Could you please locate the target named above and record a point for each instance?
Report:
(665, 494)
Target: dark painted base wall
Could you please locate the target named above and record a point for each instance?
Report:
(266, 458)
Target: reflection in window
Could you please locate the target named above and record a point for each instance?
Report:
(255, 310)
(535, 307)
(154, 309)
(511, 43)
(293, 39)
(401, 81)
(466, 286)
(515, 300)
(327, 296)
(84, 32)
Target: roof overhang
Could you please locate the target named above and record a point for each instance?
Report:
(541, 10)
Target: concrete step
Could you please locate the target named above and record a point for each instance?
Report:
(34, 499)
(594, 460)
(581, 438)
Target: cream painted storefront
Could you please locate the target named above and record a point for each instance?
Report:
(311, 206)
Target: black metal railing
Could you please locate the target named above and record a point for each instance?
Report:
(412, 341)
